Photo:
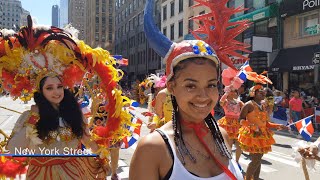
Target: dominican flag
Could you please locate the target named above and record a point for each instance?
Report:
(305, 127)
(120, 60)
(130, 140)
(243, 71)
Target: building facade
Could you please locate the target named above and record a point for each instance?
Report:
(100, 23)
(77, 16)
(297, 63)
(175, 19)
(130, 39)
(63, 15)
(10, 14)
(24, 15)
(55, 16)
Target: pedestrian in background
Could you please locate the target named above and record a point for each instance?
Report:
(296, 111)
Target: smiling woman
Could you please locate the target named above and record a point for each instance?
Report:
(192, 146)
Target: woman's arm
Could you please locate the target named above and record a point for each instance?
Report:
(160, 98)
(86, 138)
(18, 135)
(223, 99)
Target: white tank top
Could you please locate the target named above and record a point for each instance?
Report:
(180, 172)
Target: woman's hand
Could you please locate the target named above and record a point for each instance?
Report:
(310, 152)
(283, 127)
(152, 126)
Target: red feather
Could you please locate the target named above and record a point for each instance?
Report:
(220, 33)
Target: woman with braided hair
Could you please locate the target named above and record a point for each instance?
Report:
(191, 146)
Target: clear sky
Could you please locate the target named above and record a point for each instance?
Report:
(40, 9)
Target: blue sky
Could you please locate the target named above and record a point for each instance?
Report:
(41, 9)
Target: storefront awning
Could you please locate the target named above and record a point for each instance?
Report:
(295, 59)
(259, 14)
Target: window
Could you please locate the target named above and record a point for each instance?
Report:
(172, 32)
(134, 4)
(202, 12)
(180, 6)
(309, 24)
(164, 12)
(191, 2)
(130, 8)
(172, 9)
(258, 4)
(190, 24)
(181, 28)
(164, 31)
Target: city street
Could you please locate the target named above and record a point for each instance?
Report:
(277, 164)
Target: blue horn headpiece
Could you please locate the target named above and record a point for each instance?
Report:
(159, 42)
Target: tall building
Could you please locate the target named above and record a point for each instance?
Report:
(24, 14)
(297, 63)
(63, 13)
(77, 16)
(100, 23)
(10, 14)
(55, 16)
(130, 39)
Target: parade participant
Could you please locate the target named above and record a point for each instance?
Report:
(269, 100)
(191, 146)
(231, 106)
(163, 110)
(296, 111)
(45, 61)
(54, 123)
(255, 135)
(159, 104)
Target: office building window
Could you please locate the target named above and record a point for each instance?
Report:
(164, 31)
(180, 6)
(190, 24)
(172, 32)
(172, 9)
(191, 2)
(181, 28)
(202, 12)
(309, 24)
(164, 12)
(258, 4)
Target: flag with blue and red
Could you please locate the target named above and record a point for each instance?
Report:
(305, 127)
(243, 71)
(135, 133)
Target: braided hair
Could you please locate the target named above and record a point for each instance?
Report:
(209, 120)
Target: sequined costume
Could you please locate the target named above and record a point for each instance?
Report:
(59, 142)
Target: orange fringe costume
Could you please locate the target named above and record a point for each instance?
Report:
(255, 135)
(231, 125)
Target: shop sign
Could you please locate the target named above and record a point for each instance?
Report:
(259, 16)
(310, 4)
(301, 68)
(316, 58)
(293, 7)
(238, 62)
(315, 29)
